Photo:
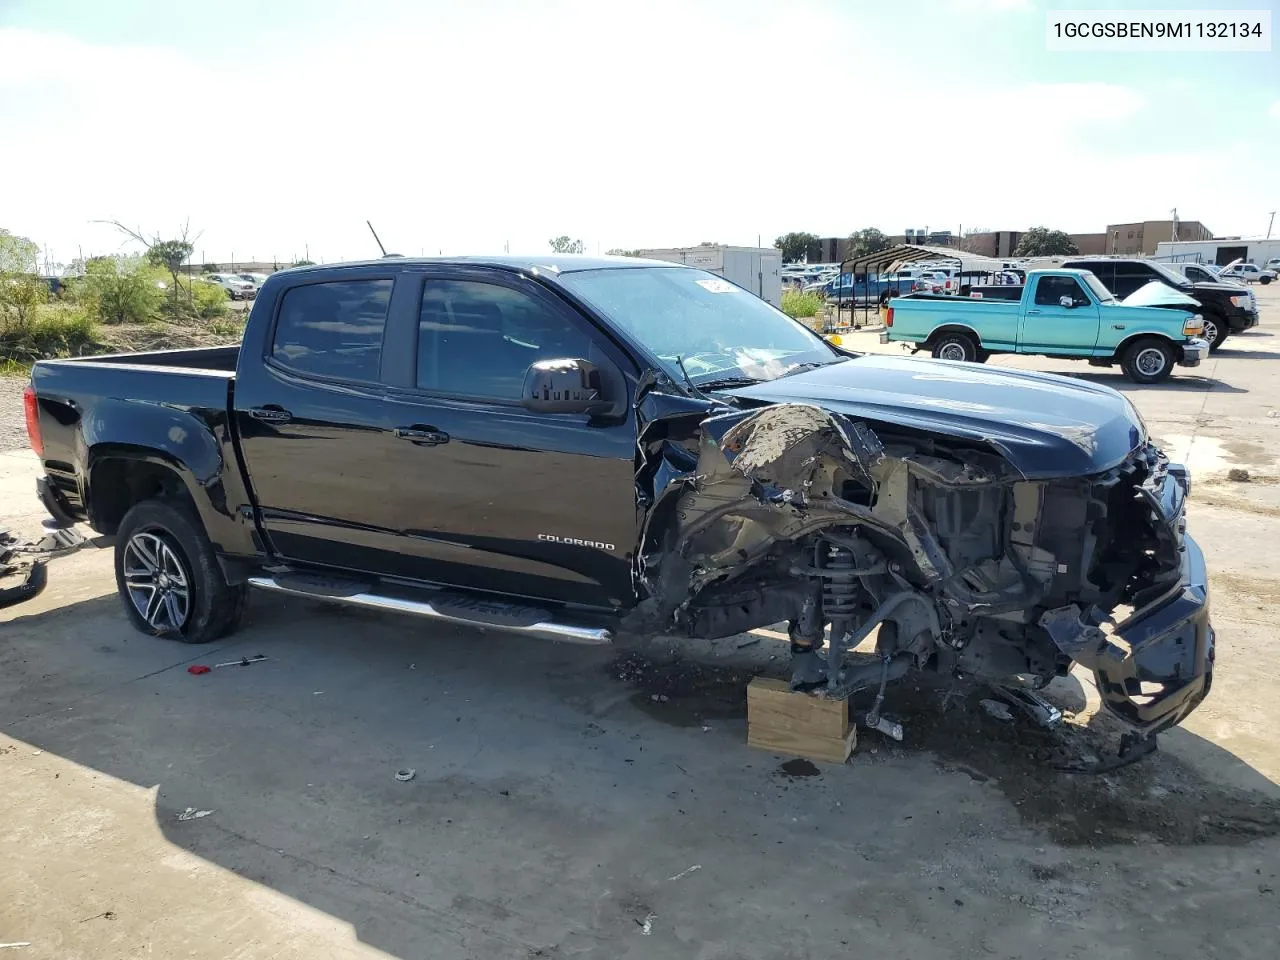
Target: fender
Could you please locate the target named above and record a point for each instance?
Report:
(1124, 344)
(950, 327)
(189, 447)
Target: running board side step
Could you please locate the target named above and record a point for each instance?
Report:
(449, 607)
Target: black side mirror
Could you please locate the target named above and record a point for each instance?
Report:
(563, 386)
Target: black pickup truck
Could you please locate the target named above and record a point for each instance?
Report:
(584, 449)
(1226, 307)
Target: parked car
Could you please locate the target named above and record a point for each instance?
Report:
(1272, 264)
(237, 289)
(572, 448)
(1226, 307)
(257, 279)
(858, 288)
(1247, 273)
(1195, 272)
(1061, 313)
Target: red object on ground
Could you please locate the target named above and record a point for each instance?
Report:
(197, 668)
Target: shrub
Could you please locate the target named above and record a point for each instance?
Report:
(119, 292)
(800, 305)
(21, 294)
(208, 300)
(56, 330)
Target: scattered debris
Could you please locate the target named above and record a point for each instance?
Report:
(658, 697)
(749, 642)
(685, 873)
(997, 709)
(104, 915)
(27, 943)
(243, 661)
(646, 925)
(1030, 703)
(406, 774)
(1238, 475)
(191, 813)
(197, 669)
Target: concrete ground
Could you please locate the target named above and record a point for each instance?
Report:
(575, 802)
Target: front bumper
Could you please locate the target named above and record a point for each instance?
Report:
(1193, 351)
(1244, 320)
(1169, 667)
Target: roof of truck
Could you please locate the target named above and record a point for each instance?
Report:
(552, 263)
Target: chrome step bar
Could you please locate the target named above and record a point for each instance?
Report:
(545, 629)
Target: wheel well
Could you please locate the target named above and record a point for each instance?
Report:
(954, 328)
(1128, 342)
(117, 484)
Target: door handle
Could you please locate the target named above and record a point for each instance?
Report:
(271, 413)
(1033, 313)
(422, 436)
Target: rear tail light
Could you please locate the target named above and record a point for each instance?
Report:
(31, 408)
(888, 317)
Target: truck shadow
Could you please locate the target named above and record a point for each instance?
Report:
(1179, 381)
(558, 789)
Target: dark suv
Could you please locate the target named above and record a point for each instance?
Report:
(1226, 307)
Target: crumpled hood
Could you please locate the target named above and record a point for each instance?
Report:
(1045, 425)
(1157, 293)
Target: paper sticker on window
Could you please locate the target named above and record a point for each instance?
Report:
(716, 286)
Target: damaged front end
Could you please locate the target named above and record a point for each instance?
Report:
(794, 513)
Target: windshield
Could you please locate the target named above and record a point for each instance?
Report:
(1171, 276)
(1097, 289)
(716, 329)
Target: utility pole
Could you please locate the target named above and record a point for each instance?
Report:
(1270, 223)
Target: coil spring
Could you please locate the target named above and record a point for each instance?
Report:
(839, 591)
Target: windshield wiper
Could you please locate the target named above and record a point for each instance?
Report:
(724, 382)
(800, 367)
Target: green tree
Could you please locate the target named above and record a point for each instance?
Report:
(21, 294)
(1043, 242)
(298, 263)
(620, 252)
(563, 244)
(795, 246)
(168, 255)
(869, 240)
(17, 254)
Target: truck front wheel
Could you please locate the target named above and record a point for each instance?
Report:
(955, 346)
(168, 576)
(1148, 361)
(1215, 330)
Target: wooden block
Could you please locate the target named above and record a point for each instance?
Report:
(783, 721)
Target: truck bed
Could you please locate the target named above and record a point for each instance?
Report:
(208, 359)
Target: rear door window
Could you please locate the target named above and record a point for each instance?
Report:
(333, 330)
(1132, 276)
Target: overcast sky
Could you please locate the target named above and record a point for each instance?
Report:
(279, 127)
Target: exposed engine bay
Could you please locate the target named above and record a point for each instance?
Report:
(794, 513)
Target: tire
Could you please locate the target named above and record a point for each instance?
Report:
(1215, 330)
(1264, 280)
(161, 547)
(1142, 356)
(955, 346)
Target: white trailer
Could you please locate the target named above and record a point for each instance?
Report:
(758, 269)
(1221, 252)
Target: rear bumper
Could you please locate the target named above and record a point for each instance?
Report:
(884, 336)
(54, 503)
(1169, 667)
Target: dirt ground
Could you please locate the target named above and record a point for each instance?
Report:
(598, 803)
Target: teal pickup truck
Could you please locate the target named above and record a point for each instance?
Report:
(1067, 314)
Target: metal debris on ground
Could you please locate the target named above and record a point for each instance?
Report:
(646, 925)
(197, 669)
(1030, 703)
(191, 813)
(406, 774)
(16, 943)
(749, 642)
(243, 661)
(686, 872)
(997, 709)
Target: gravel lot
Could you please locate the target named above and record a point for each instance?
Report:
(592, 803)
(13, 428)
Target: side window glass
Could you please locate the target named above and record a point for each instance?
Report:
(333, 329)
(1050, 289)
(478, 339)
